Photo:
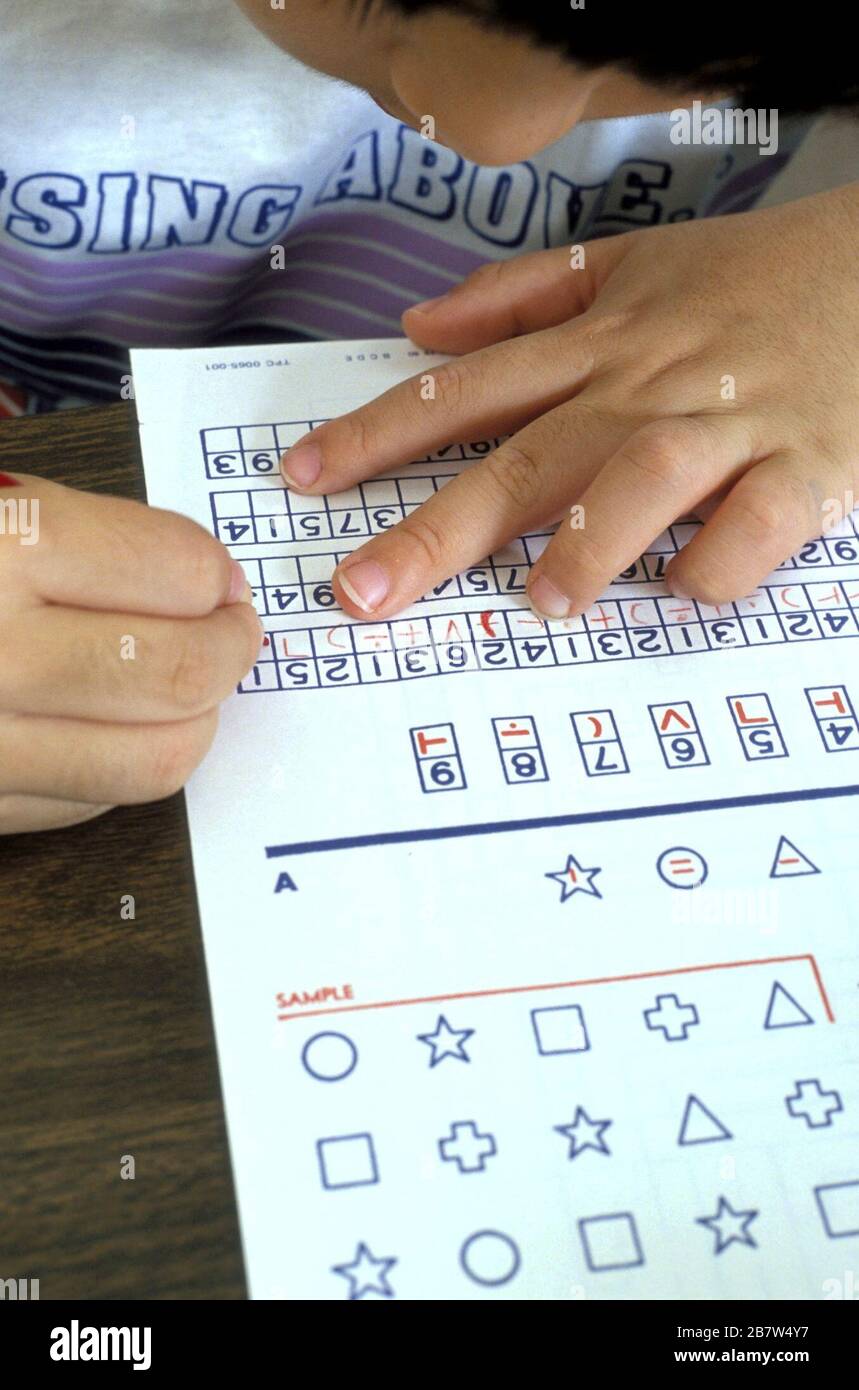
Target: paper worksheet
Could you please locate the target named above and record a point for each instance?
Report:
(533, 948)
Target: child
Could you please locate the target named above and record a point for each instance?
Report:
(691, 364)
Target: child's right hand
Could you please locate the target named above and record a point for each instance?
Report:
(121, 630)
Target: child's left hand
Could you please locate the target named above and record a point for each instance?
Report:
(705, 366)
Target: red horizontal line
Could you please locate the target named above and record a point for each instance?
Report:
(571, 984)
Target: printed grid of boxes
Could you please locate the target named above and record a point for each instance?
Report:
(253, 451)
(599, 742)
(680, 740)
(437, 757)
(835, 717)
(236, 451)
(838, 548)
(438, 754)
(301, 583)
(757, 727)
(257, 516)
(520, 750)
(345, 653)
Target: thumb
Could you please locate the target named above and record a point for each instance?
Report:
(503, 299)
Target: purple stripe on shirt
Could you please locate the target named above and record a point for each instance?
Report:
(748, 179)
(150, 325)
(60, 279)
(384, 233)
(321, 321)
(76, 312)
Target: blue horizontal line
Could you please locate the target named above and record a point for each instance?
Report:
(504, 827)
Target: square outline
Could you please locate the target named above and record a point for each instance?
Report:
(342, 1139)
(614, 1217)
(555, 1009)
(829, 1187)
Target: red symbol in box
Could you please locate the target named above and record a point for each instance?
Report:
(744, 715)
(599, 742)
(835, 699)
(516, 729)
(673, 714)
(835, 717)
(519, 747)
(680, 739)
(437, 744)
(437, 756)
(757, 726)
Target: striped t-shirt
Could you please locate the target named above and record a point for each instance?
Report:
(170, 178)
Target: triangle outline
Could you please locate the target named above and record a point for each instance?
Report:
(779, 999)
(693, 1112)
(807, 866)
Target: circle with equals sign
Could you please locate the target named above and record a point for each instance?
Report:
(681, 867)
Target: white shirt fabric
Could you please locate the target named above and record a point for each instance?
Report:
(155, 151)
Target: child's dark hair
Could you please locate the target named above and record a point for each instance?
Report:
(760, 56)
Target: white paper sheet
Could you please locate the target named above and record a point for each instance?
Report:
(533, 953)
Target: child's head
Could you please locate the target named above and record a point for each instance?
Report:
(503, 78)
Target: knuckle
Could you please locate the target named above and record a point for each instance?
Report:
(514, 472)
(352, 436)
(800, 496)
(426, 538)
(205, 561)
(173, 755)
(586, 565)
(763, 514)
(662, 452)
(456, 387)
(193, 675)
(599, 334)
(209, 564)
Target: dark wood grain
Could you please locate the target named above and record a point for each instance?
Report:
(105, 1031)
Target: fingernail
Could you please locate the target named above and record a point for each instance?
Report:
(6, 481)
(546, 600)
(240, 589)
(427, 305)
(302, 465)
(365, 584)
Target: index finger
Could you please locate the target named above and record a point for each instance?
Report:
(112, 554)
(488, 393)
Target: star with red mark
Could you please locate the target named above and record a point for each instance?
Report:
(576, 879)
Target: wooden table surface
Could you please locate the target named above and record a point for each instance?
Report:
(106, 1037)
